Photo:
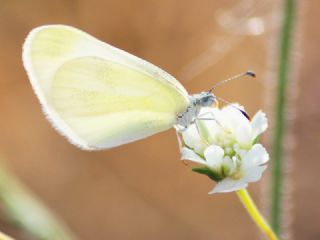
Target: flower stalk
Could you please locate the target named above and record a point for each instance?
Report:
(256, 216)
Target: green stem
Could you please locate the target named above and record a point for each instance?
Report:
(277, 155)
(5, 237)
(23, 209)
(255, 214)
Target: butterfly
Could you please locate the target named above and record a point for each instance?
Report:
(99, 96)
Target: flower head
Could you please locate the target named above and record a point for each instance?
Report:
(224, 142)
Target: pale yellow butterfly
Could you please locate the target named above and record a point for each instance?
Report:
(99, 96)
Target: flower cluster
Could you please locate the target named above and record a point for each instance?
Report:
(224, 142)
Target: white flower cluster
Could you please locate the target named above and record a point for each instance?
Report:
(225, 144)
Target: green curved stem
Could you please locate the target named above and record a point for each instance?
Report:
(255, 214)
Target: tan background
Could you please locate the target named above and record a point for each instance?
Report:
(142, 190)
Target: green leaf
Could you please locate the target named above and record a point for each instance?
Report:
(256, 140)
(209, 172)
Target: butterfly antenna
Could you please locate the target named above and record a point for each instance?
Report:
(247, 73)
(232, 105)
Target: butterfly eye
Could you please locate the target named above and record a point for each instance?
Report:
(207, 99)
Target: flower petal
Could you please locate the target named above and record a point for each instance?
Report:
(238, 124)
(243, 134)
(233, 116)
(228, 185)
(188, 154)
(255, 157)
(259, 124)
(192, 139)
(253, 174)
(212, 124)
(214, 155)
(229, 164)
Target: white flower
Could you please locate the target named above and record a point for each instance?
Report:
(225, 145)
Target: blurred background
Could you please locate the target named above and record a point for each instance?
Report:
(142, 190)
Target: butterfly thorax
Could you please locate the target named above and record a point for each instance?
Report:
(189, 116)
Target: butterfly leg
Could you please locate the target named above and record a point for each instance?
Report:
(212, 118)
(199, 118)
(180, 128)
(208, 118)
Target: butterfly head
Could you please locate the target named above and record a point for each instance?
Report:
(206, 99)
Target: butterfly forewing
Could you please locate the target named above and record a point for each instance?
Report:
(96, 95)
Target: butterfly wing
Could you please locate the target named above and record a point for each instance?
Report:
(96, 95)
